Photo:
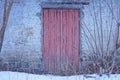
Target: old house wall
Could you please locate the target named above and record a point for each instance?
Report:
(23, 35)
(22, 42)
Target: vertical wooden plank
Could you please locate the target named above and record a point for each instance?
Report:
(58, 39)
(72, 46)
(69, 37)
(63, 38)
(55, 40)
(45, 18)
(52, 38)
(49, 42)
(76, 30)
(73, 39)
(44, 39)
(61, 55)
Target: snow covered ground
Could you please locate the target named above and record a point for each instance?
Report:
(7, 75)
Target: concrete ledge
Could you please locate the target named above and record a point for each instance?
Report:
(76, 5)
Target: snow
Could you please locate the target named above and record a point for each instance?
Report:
(7, 75)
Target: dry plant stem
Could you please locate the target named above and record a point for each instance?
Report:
(115, 50)
(3, 25)
(97, 26)
(88, 39)
(111, 10)
(109, 38)
(107, 53)
(96, 47)
(101, 28)
(7, 10)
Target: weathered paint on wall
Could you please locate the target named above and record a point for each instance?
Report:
(24, 32)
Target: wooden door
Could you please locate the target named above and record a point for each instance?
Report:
(61, 40)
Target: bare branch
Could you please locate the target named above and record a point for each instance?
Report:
(7, 10)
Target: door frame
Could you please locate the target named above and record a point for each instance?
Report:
(63, 5)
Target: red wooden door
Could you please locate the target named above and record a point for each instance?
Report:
(61, 40)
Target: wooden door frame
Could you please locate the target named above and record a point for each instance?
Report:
(63, 5)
